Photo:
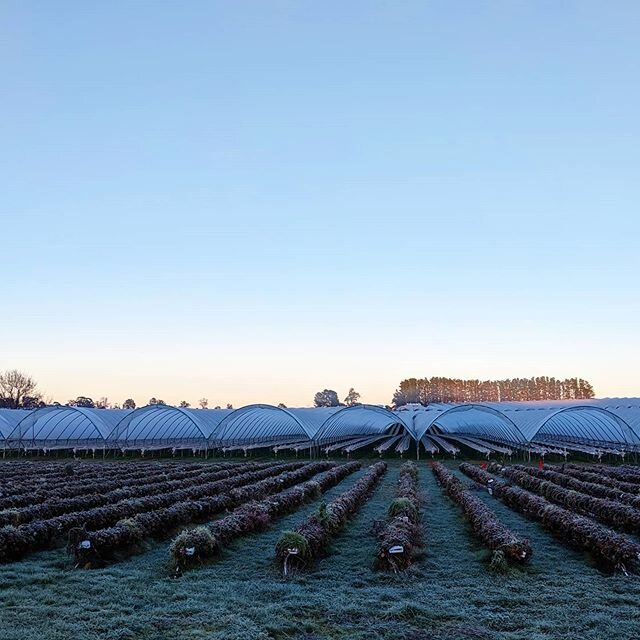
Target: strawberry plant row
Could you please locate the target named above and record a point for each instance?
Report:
(70, 469)
(507, 546)
(585, 474)
(298, 549)
(97, 547)
(31, 481)
(16, 542)
(195, 546)
(401, 535)
(39, 494)
(610, 549)
(624, 473)
(614, 514)
(95, 497)
(569, 482)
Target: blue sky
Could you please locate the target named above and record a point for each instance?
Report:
(251, 201)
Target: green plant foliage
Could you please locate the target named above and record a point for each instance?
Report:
(200, 540)
(293, 540)
(498, 562)
(404, 507)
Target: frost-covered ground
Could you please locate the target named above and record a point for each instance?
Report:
(449, 594)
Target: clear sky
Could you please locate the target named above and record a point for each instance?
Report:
(252, 201)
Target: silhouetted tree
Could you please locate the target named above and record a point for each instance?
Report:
(83, 402)
(156, 401)
(184, 404)
(353, 398)
(229, 405)
(102, 403)
(32, 402)
(204, 403)
(326, 398)
(282, 405)
(129, 403)
(15, 386)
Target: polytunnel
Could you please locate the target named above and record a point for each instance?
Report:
(361, 420)
(471, 419)
(610, 424)
(62, 427)
(595, 423)
(265, 424)
(160, 426)
(592, 422)
(589, 424)
(9, 418)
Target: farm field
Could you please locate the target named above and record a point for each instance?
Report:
(447, 592)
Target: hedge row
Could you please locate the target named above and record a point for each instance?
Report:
(401, 535)
(198, 545)
(104, 545)
(609, 548)
(506, 545)
(569, 482)
(15, 542)
(298, 549)
(95, 498)
(609, 512)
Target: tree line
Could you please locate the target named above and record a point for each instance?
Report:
(19, 390)
(329, 398)
(438, 389)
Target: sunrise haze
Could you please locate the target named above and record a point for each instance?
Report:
(254, 201)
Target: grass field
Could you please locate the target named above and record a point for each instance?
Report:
(449, 592)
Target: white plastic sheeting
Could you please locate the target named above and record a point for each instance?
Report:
(9, 418)
(157, 426)
(360, 420)
(65, 428)
(611, 422)
(615, 421)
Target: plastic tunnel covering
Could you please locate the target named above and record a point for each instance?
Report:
(258, 423)
(9, 418)
(65, 428)
(589, 421)
(607, 422)
(162, 426)
(362, 419)
(594, 425)
(471, 419)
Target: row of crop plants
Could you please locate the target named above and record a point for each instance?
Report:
(621, 481)
(196, 546)
(400, 536)
(31, 492)
(613, 513)
(301, 548)
(15, 542)
(507, 547)
(116, 515)
(97, 494)
(610, 549)
(557, 476)
(126, 535)
(44, 475)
